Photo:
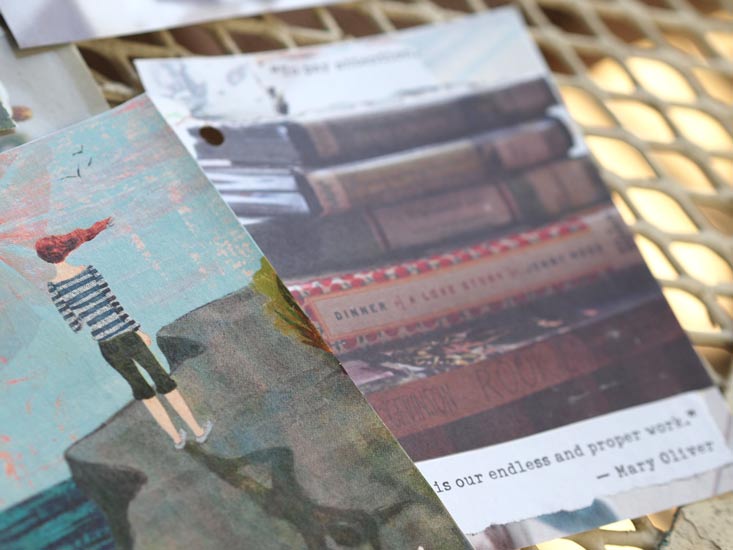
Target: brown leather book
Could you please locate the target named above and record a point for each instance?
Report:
(471, 160)
(415, 226)
(516, 371)
(377, 132)
(634, 377)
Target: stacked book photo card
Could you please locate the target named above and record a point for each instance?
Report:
(160, 387)
(435, 212)
(44, 90)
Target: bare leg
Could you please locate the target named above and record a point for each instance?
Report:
(181, 407)
(161, 417)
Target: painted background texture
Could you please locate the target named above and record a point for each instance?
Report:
(165, 255)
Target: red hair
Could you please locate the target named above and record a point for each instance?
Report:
(54, 248)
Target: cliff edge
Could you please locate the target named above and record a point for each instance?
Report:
(297, 459)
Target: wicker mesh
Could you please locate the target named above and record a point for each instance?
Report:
(649, 81)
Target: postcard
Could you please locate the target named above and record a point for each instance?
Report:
(45, 90)
(45, 22)
(454, 244)
(160, 386)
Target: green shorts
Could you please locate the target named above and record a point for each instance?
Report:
(126, 349)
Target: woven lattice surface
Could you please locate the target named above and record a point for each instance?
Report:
(651, 84)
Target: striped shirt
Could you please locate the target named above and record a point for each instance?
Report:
(86, 298)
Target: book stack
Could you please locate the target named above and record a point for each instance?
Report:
(443, 244)
(339, 162)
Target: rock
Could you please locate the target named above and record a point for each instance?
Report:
(297, 458)
(706, 525)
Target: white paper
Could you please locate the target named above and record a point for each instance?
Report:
(44, 22)
(51, 88)
(645, 445)
(264, 87)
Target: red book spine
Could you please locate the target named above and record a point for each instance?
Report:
(359, 309)
(537, 365)
(632, 378)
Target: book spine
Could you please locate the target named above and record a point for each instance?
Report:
(527, 199)
(364, 308)
(441, 217)
(525, 369)
(379, 132)
(315, 245)
(350, 239)
(346, 240)
(470, 161)
(525, 100)
(556, 189)
(639, 377)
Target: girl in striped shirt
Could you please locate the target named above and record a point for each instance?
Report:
(82, 296)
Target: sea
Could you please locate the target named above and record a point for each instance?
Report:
(59, 518)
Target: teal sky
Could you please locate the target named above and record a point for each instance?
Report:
(174, 246)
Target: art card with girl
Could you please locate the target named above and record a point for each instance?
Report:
(159, 386)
